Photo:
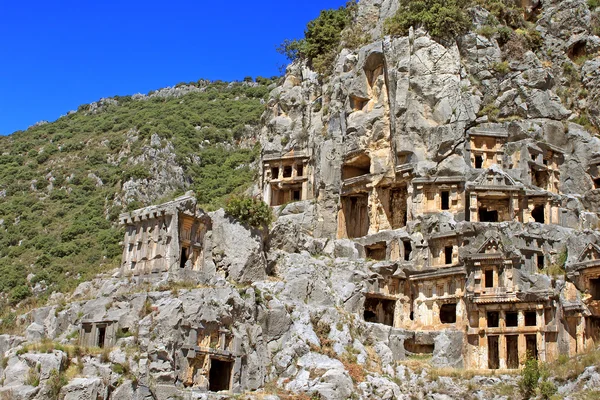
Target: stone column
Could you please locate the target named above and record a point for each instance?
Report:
(581, 335)
(522, 349)
(502, 351)
(540, 336)
(473, 217)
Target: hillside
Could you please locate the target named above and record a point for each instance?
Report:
(63, 184)
(429, 225)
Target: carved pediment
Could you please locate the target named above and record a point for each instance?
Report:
(590, 253)
(495, 176)
(491, 246)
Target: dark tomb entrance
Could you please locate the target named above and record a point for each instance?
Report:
(220, 375)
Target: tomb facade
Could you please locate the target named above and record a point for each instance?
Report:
(286, 178)
(165, 238)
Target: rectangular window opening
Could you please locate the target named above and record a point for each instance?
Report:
(540, 261)
(299, 170)
(296, 195)
(489, 278)
(493, 319)
(448, 255)
(478, 161)
(275, 173)
(530, 318)
(287, 171)
(407, 250)
(184, 257)
(445, 200)
(512, 319)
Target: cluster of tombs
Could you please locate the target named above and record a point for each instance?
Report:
(208, 359)
(489, 293)
(498, 296)
(444, 282)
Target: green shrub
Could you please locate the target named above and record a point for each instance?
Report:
(593, 4)
(508, 12)
(529, 377)
(487, 30)
(442, 18)
(33, 376)
(55, 383)
(251, 211)
(322, 38)
(501, 67)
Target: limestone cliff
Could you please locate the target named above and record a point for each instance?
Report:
(437, 219)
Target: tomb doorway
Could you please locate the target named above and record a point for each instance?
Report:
(493, 353)
(512, 351)
(220, 375)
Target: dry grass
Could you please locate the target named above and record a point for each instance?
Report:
(566, 368)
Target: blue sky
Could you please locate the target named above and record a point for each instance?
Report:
(56, 55)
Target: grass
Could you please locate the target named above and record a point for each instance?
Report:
(565, 368)
(61, 223)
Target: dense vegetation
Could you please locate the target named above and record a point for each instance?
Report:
(250, 211)
(442, 18)
(61, 182)
(324, 37)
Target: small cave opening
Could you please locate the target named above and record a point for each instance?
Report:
(538, 213)
(275, 173)
(448, 313)
(376, 251)
(577, 50)
(531, 346)
(540, 179)
(357, 166)
(357, 103)
(379, 310)
(540, 261)
(486, 215)
(418, 348)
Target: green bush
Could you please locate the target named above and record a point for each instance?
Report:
(55, 383)
(529, 377)
(509, 12)
(442, 18)
(322, 38)
(250, 211)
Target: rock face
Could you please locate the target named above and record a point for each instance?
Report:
(434, 201)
